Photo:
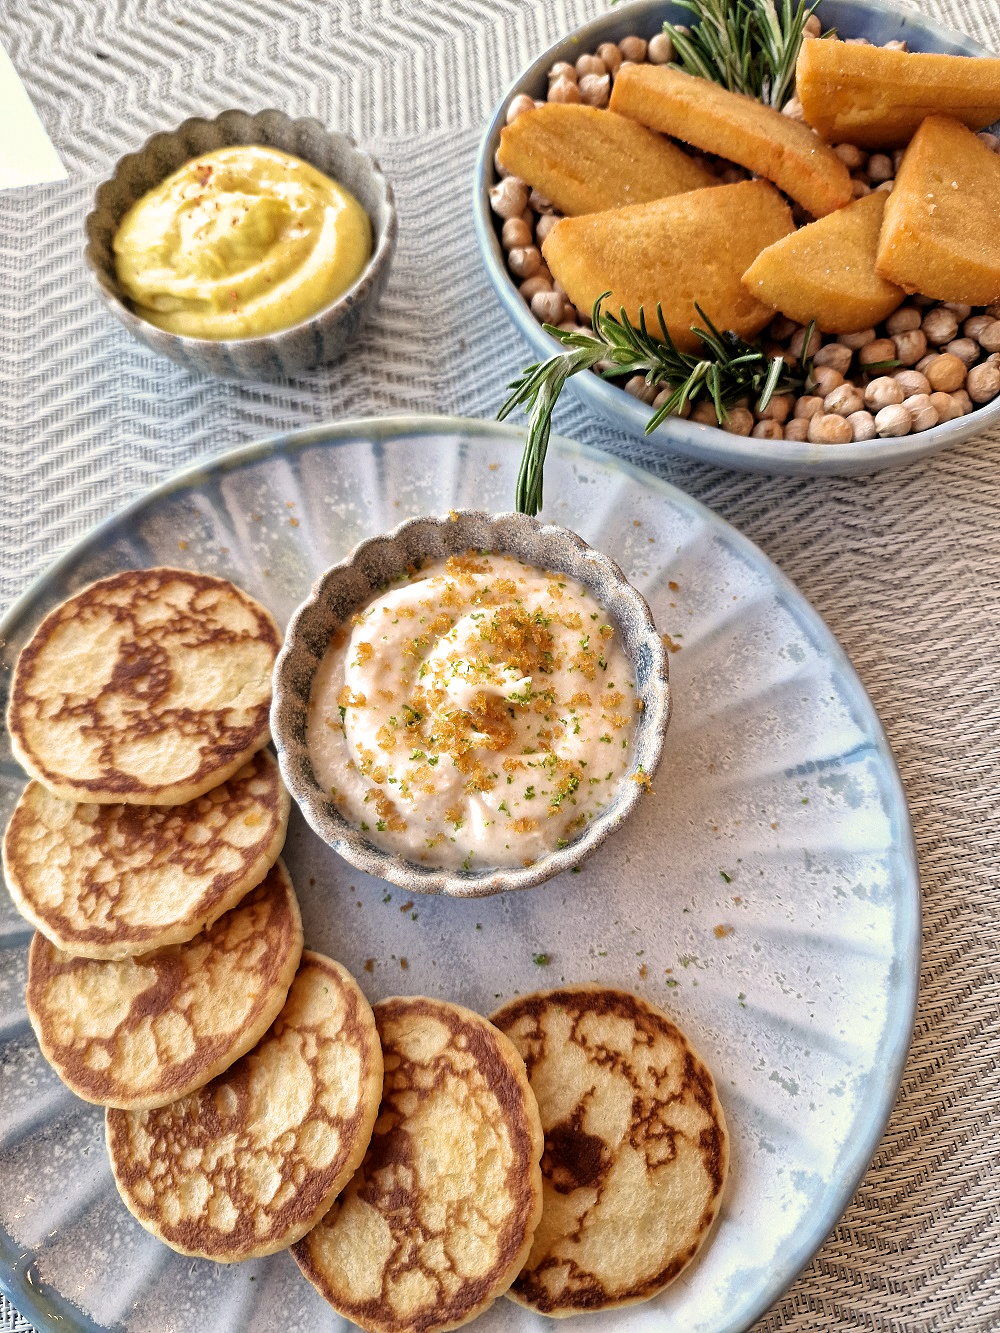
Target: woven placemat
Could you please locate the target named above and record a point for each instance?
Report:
(904, 566)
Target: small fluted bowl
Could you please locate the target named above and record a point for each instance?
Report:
(367, 570)
(312, 342)
(878, 22)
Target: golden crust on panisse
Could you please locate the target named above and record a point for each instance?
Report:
(737, 128)
(876, 97)
(826, 271)
(636, 1150)
(248, 1164)
(439, 1217)
(148, 687)
(939, 231)
(108, 881)
(143, 1031)
(584, 160)
(673, 252)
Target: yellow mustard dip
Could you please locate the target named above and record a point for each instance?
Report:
(242, 241)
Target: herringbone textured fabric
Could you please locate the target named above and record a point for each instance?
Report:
(905, 567)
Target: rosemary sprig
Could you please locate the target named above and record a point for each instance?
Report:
(727, 369)
(749, 46)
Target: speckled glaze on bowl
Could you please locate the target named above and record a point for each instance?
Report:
(879, 22)
(350, 585)
(304, 346)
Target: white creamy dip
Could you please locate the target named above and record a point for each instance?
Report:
(479, 714)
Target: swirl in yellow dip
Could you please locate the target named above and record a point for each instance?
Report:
(478, 715)
(243, 241)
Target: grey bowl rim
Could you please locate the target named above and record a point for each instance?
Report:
(116, 301)
(349, 842)
(703, 443)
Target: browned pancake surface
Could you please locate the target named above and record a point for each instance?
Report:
(107, 881)
(142, 1031)
(636, 1150)
(246, 1165)
(150, 687)
(439, 1217)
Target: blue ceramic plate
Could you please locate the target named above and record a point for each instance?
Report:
(852, 18)
(766, 895)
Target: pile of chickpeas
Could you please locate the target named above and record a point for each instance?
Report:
(948, 353)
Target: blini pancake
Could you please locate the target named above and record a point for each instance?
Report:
(107, 881)
(636, 1150)
(149, 687)
(439, 1217)
(246, 1165)
(140, 1032)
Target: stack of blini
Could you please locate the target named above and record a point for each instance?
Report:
(419, 1160)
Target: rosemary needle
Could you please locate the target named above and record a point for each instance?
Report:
(727, 369)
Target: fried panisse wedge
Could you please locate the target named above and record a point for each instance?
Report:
(738, 128)
(676, 251)
(940, 232)
(826, 271)
(585, 160)
(876, 98)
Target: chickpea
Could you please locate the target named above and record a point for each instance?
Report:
(611, 56)
(638, 388)
(897, 160)
(662, 397)
(798, 342)
(704, 412)
(910, 346)
(912, 381)
(525, 261)
(562, 69)
(880, 169)
(564, 90)
(778, 408)
(844, 400)
(973, 326)
(828, 428)
(883, 392)
(903, 319)
(989, 338)
(948, 409)
(892, 420)
(895, 46)
(781, 328)
(595, 89)
(509, 197)
(834, 355)
(533, 286)
(886, 187)
(633, 48)
(993, 311)
(959, 309)
(853, 158)
(923, 413)
(862, 426)
(793, 110)
(859, 189)
(946, 372)
(740, 421)
(939, 325)
(963, 401)
(660, 50)
(767, 429)
(825, 379)
(518, 106)
(807, 406)
(855, 341)
(590, 65)
(544, 225)
(983, 383)
(516, 232)
(539, 203)
(990, 140)
(548, 307)
(796, 429)
(882, 349)
(966, 349)
(812, 26)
